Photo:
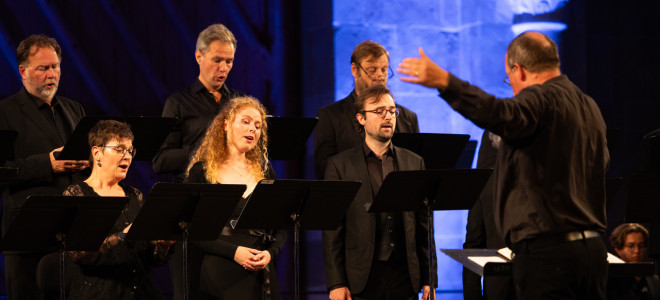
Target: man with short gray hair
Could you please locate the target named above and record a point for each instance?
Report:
(195, 107)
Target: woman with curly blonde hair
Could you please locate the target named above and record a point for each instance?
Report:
(238, 265)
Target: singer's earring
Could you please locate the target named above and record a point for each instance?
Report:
(98, 163)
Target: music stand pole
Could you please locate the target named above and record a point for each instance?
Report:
(429, 241)
(296, 256)
(186, 287)
(61, 240)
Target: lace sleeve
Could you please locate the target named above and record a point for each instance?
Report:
(73, 190)
(138, 195)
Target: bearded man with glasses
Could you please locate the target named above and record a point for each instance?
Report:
(376, 255)
(338, 129)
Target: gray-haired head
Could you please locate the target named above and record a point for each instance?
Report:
(533, 51)
(215, 32)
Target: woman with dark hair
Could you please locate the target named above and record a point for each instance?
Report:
(119, 269)
(239, 264)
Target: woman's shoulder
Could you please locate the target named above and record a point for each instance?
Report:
(196, 174)
(79, 189)
(132, 191)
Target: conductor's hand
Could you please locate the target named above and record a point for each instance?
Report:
(251, 259)
(62, 166)
(341, 293)
(426, 293)
(423, 71)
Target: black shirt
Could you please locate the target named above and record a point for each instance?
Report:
(389, 225)
(195, 108)
(54, 116)
(550, 175)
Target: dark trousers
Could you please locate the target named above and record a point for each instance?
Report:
(566, 270)
(21, 275)
(388, 280)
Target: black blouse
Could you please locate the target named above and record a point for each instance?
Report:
(118, 271)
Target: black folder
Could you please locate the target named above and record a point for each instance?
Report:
(149, 132)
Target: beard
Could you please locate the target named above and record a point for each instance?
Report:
(362, 84)
(41, 90)
(381, 136)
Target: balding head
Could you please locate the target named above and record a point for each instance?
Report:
(533, 51)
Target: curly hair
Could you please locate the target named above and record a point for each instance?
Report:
(213, 152)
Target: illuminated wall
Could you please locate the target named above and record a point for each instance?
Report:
(466, 37)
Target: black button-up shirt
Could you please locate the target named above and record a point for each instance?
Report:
(389, 225)
(54, 116)
(195, 108)
(550, 174)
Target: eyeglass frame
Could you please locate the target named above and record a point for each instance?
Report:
(394, 111)
(390, 72)
(132, 152)
(507, 79)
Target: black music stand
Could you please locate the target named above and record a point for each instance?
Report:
(287, 136)
(7, 138)
(301, 204)
(63, 223)
(431, 190)
(185, 212)
(440, 151)
(149, 132)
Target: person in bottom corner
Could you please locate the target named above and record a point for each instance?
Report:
(630, 241)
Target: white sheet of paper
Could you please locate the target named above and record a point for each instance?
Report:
(482, 260)
(611, 258)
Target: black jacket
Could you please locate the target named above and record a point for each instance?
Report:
(36, 139)
(349, 250)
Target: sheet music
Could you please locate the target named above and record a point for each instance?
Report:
(482, 260)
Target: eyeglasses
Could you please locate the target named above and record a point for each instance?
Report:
(507, 80)
(121, 150)
(372, 71)
(382, 112)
